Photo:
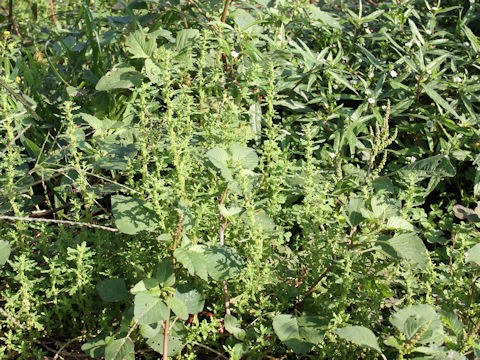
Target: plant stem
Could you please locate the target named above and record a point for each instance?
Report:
(53, 13)
(210, 349)
(223, 226)
(165, 335)
(225, 10)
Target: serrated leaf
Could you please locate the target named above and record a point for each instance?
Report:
(399, 223)
(359, 335)
(385, 207)
(140, 45)
(233, 326)
(218, 157)
(229, 212)
(112, 290)
(437, 165)
(133, 215)
(146, 285)
(247, 157)
(191, 297)
(121, 349)
(4, 252)
(411, 248)
(352, 211)
(121, 76)
(95, 348)
(223, 262)
(193, 261)
(149, 309)
(154, 73)
(186, 37)
(324, 17)
(419, 320)
(473, 255)
(165, 274)
(178, 307)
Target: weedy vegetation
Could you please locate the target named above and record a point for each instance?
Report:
(261, 179)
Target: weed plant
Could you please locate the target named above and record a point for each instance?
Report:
(246, 180)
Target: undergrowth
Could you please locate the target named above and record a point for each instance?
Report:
(297, 179)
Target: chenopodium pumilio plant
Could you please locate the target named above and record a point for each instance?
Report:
(160, 308)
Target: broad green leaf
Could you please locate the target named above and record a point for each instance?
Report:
(150, 285)
(246, 156)
(140, 45)
(121, 76)
(233, 326)
(165, 274)
(286, 327)
(178, 307)
(420, 319)
(174, 346)
(154, 73)
(121, 349)
(385, 207)
(193, 261)
(324, 17)
(437, 165)
(133, 215)
(473, 255)
(229, 212)
(242, 18)
(399, 223)
(239, 350)
(95, 348)
(149, 309)
(186, 37)
(150, 330)
(411, 248)
(112, 290)
(359, 335)
(352, 211)
(218, 157)
(223, 262)
(264, 222)
(176, 340)
(439, 100)
(192, 298)
(4, 252)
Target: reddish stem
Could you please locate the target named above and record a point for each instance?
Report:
(53, 13)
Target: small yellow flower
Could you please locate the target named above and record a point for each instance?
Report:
(17, 79)
(10, 46)
(6, 34)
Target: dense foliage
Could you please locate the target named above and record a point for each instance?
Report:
(295, 179)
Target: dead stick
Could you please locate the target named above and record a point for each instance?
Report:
(210, 349)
